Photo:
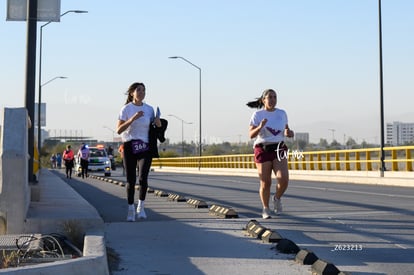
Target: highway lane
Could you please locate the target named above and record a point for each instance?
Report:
(359, 228)
(362, 229)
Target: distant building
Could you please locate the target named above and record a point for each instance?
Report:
(399, 133)
(302, 137)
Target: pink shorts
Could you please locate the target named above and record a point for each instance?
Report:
(261, 156)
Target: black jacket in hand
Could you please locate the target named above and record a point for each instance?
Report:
(157, 133)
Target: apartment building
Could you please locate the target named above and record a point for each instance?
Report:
(399, 133)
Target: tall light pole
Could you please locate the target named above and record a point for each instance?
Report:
(112, 130)
(382, 164)
(31, 80)
(182, 131)
(200, 138)
(40, 76)
(39, 125)
(333, 134)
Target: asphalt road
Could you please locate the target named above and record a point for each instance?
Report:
(362, 229)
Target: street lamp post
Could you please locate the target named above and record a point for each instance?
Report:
(182, 131)
(39, 125)
(40, 76)
(333, 134)
(382, 168)
(200, 138)
(113, 132)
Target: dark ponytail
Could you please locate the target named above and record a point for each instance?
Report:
(258, 103)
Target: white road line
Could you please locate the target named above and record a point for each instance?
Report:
(352, 191)
(344, 214)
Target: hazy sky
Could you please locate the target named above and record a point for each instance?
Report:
(321, 56)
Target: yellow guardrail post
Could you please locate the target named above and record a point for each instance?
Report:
(289, 162)
(296, 162)
(311, 164)
(320, 162)
(328, 161)
(368, 160)
(303, 160)
(409, 161)
(357, 159)
(394, 154)
(347, 164)
(337, 163)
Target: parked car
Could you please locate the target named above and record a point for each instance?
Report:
(98, 161)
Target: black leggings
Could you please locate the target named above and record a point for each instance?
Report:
(133, 162)
(69, 166)
(84, 165)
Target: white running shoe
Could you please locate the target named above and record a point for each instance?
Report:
(141, 213)
(277, 205)
(131, 215)
(266, 213)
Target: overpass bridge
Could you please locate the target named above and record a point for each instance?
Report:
(397, 158)
(321, 215)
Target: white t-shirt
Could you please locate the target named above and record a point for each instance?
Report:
(140, 127)
(274, 129)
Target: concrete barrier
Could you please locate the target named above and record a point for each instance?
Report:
(14, 187)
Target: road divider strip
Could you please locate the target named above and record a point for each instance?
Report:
(223, 211)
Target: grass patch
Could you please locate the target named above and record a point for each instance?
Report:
(9, 259)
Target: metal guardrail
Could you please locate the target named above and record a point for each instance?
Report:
(397, 158)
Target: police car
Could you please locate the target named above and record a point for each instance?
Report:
(98, 161)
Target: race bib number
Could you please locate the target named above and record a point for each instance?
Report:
(139, 146)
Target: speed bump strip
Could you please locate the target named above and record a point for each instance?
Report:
(323, 267)
(223, 212)
(160, 193)
(256, 230)
(270, 236)
(176, 197)
(287, 246)
(197, 203)
(251, 225)
(306, 257)
(122, 183)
